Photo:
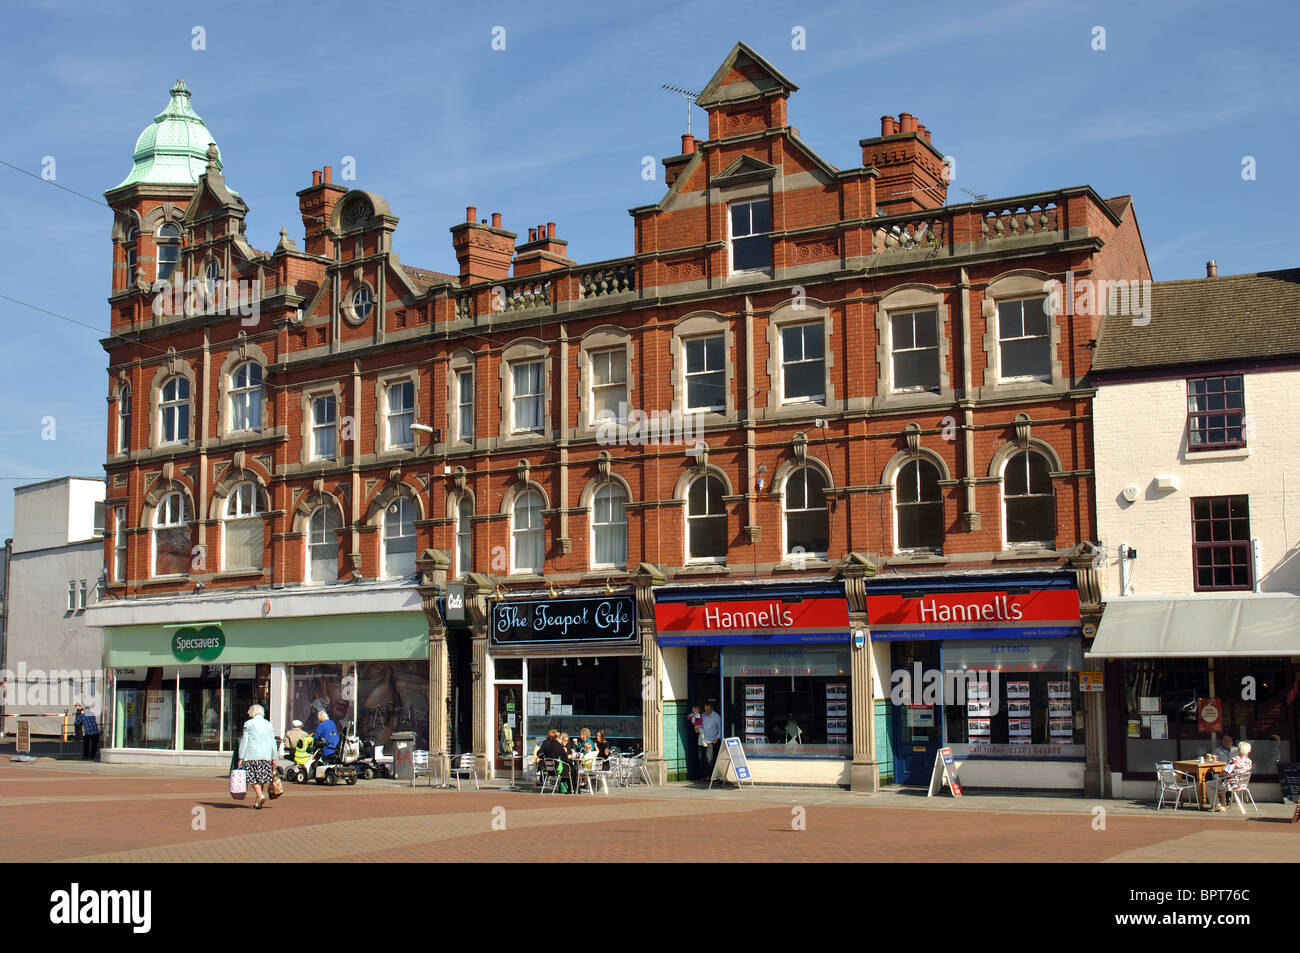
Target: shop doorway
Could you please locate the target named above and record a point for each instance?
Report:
(916, 730)
(509, 727)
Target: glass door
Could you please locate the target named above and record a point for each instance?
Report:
(509, 727)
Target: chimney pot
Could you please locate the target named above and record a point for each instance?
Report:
(327, 174)
(532, 234)
(315, 177)
(888, 126)
(550, 229)
(1211, 269)
(688, 144)
(906, 122)
(471, 213)
(496, 219)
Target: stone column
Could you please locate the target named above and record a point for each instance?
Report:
(646, 578)
(864, 776)
(433, 566)
(477, 589)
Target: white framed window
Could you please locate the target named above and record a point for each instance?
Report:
(803, 363)
(465, 405)
(464, 536)
(918, 508)
(241, 529)
(1024, 340)
(171, 537)
(399, 539)
(82, 592)
(246, 397)
(124, 419)
(324, 433)
(169, 249)
(528, 397)
(751, 240)
(706, 372)
(527, 534)
(1028, 502)
(914, 338)
(119, 544)
(609, 527)
(363, 302)
(72, 595)
(323, 545)
(400, 399)
(608, 384)
(807, 519)
(174, 411)
(706, 521)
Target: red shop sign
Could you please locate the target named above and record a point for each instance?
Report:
(972, 615)
(753, 622)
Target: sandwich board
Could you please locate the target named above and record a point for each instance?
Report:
(945, 772)
(731, 760)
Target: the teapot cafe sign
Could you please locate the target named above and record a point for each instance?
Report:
(608, 619)
(205, 642)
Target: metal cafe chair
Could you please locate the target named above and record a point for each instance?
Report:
(550, 775)
(1238, 788)
(1172, 781)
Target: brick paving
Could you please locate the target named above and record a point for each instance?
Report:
(78, 812)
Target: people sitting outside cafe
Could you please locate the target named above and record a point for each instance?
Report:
(1235, 776)
(585, 744)
(603, 748)
(1226, 751)
(554, 749)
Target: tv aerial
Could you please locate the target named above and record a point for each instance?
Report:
(687, 94)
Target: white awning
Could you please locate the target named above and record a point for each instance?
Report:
(1263, 624)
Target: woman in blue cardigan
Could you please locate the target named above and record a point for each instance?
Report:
(257, 752)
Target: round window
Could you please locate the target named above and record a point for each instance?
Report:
(363, 302)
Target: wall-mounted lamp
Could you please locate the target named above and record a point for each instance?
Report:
(609, 588)
(552, 591)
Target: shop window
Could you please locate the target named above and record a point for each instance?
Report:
(174, 411)
(244, 686)
(527, 397)
(603, 693)
(171, 537)
(1221, 543)
(323, 545)
(145, 708)
(751, 240)
(915, 350)
(609, 527)
(399, 539)
(609, 384)
(316, 688)
(527, 533)
(706, 373)
(706, 521)
(803, 363)
(807, 520)
(246, 397)
(464, 536)
(787, 700)
(919, 507)
(1024, 340)
(401, 414)
(1028, 500)
(200, 708)
(393, 696)
(124, 419)
(1216, 413)
(324, 436)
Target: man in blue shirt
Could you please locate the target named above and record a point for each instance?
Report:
(89, 728)
(710, 739)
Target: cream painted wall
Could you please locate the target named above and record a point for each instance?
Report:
(674, 672)
(1140, 434)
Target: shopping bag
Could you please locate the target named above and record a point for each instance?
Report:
(238, 784)
(277, 786)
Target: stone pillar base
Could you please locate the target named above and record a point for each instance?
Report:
(864, 778)
(658, 770)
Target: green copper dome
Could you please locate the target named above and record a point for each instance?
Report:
(173, 150)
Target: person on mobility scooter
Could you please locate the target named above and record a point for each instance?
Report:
(326, 766)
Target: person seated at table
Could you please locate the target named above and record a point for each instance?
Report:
(1237, 769)
(603, 748)
(554, 747)
(584, 743)
(1226, 751)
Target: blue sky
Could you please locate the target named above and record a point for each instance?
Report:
(554, 127)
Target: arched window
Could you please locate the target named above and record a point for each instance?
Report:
(241, 529)
(807, 521)
(171, 537)
(919, 507)
(464, 536)
(132, 256)
(706, 521)
(169, 250)
(211, 278)
(399, 539)
(323, 545)
(1028, 501)
(124, 419)
(609, 527)
(174, 411)
(246, 397)
(527, 534)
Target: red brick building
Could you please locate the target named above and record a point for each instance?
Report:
(805, 381)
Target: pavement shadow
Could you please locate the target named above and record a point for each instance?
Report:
(225, 805)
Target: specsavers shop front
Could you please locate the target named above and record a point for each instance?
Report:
(987, 665)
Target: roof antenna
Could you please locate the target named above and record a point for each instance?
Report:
(689, 95)
(975, 195)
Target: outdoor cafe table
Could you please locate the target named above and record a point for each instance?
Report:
(1199, 770)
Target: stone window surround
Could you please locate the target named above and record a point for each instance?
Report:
(889, 477)
(681, 492)
(731, 194)
(782, 475)
(454, 502)
(308, 504)
(245, 353)
(604, 338)
(785, 315)
(997, 468)
(1011, 286)
(700, 324)
(902, 300)
(153, 498)
(308, 396)
(161, 377)
(220, 498)
(517, 352)
(586, 501)
(345, 306)
(383, 381)
(518, 489)
(377, 512)
(462, 359)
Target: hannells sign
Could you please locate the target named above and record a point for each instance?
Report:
(611, 619)
(205, 643)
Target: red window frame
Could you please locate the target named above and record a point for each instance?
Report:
(1203, 421)
(1226, 547)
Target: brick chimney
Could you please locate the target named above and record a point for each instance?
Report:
(483, 251)
(1211, 269)
(542, 252)
(675, 165)
(317, 205)
(912, 173)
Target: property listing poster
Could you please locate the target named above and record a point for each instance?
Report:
(1019, 717)
(979, 711)
(837, 713)
(1060, 711)
(755, 714)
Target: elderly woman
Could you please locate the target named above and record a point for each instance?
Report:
(257, 752)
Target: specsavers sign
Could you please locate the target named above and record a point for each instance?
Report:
(205, 642)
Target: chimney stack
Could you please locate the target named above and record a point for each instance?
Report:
(316, 205)
(906, 123)
(483, 252)
(688, 144)
(1211, 269)
(542, 252)
(888, 126)
(912, 173)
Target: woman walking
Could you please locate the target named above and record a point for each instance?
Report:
(257, 752)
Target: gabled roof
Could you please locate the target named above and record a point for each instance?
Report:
(762, 77)
(1207, 320)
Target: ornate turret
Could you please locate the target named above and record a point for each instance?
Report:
(173, 149)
